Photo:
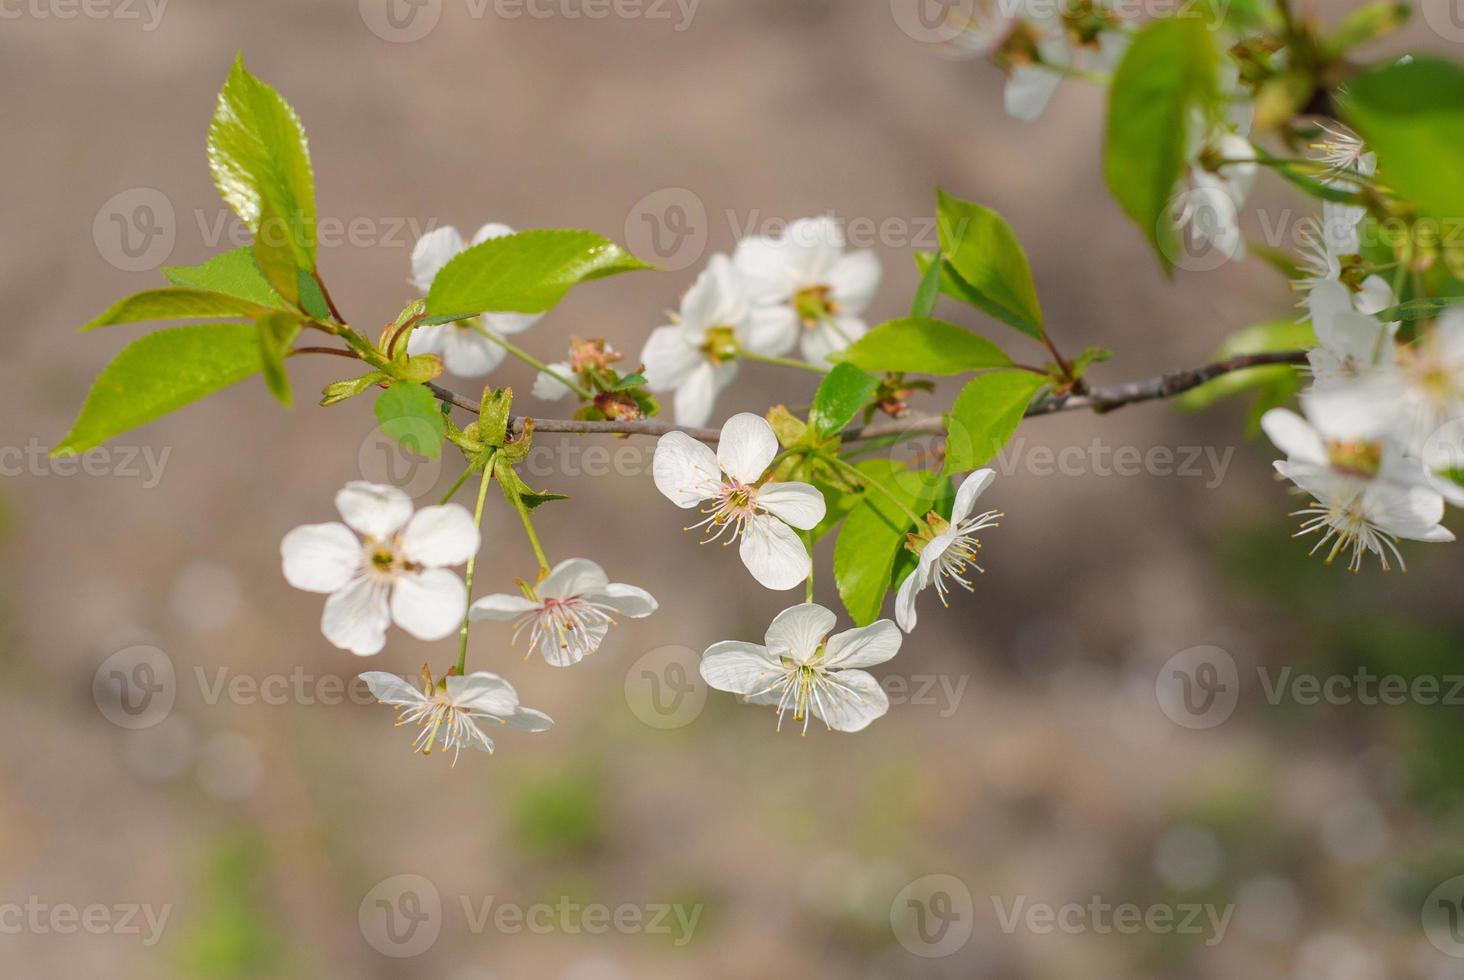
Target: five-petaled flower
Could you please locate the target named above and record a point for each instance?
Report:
(805, 279)
(569, 613)
(727, 483)
(397, 570)
(801, 668)
(448, 711)
(464, 347)
(947, 549)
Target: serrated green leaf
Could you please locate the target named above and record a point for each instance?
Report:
(277, 333)
(840, 396)
(929, 290)
(1412, 114)
(160, 373)
(923, 346)
(233, 273)
(1170, 71)
(528, 272)
(874, 532)
(261, 166)
(175, 304)
(409, 413)
(984, 252)
(986, 415)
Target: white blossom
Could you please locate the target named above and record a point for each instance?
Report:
(448, 712)
(397, 570)
(950, 551)
(1351, 345)
(569, 613)
(799, 667)
(728, 486)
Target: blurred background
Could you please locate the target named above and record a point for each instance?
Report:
(1154, 702)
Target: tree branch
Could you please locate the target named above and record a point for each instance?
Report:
(1099, 398)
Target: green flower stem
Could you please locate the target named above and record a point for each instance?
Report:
(786, 362)
(462, 659)
(458, 485)
(867, 481)
(523, 510)
(530, 359)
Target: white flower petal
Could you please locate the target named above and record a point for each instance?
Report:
(1028, 91)
(854, 281)
(1294, 436)
(773, 553)
(433, 251)
(502, 608)
(697, 394)
(528, 720)
(429, 604)
(798, 631)
(849, 700)
(374, 509)
(628, 600)
(746, 447)
(557, 653)
(429, 340)
(356, 618)
(484, 693)
(572, 577)
(814, 248)
(391, 689)
(490, 231)
(905, 602)
(468, 354)
(830, 337)
(669, 358)
(863, 647)
(549, 388)
(686, 470)
(798, 504)
(440, 535)
(320, 557)
(739, 668)
(971, 488)
(764, 265)
(770, 330)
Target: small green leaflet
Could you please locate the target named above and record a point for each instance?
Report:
(986, 415)
(929, 291)
(410, 414)
(1419, 309)
(233, 273)
(528, 272)
(923, 346)
(160, 373)
(277, 333)
(261, 166)
(1411, 113)
(1170, 71)
(874, 532)
(840, 396)
(984, 252)
(176, 304)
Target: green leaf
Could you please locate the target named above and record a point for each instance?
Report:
(277, 333)
(1419, 309)
(261, 166)
(1412, 114)
(160, 373)
(628, 382)
(1169, 72)
(528, 272)
(233, 273)
(923, 346)
(409, 413)
(1260, 338)
(986, 415)
(874, 533)
(929, 291)
(175, 304)
(984, 252)
(840, 396)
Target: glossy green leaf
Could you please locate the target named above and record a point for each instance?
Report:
(923, 346)
(176, 304)
(528, 272)
(409, 413)
(1168, 77)
(840, 396)
(874, 533)
(233, 273)
(160, 373)
(986, 415)
(261, 166)
(277, 333)
(984, 252)
(1412, 114)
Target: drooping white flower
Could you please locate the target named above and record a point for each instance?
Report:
(465, 351)
(949, 551)
(1366, 493)
(801, 668)
(1031, 83)
(569, 613)
(1351, 345)
(550, 388)
(1323, 247)
(1344, 152)
(448, 711)
(1424, 390)
(697, 356)
(805, 279)
(1222, 172)
(728, 483)
(396, 571)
